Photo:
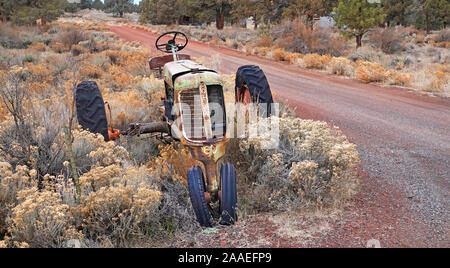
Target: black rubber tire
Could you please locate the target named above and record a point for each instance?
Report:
(91, 112)
(256, 81)
(197, 194)
(228, 204)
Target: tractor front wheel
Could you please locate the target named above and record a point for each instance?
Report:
(198, 199)
(228, 195)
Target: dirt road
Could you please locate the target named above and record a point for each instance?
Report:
(403, 139)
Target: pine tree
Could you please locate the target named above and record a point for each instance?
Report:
(85, 4)
(396, 11)
(211, 10)
(7, 8)
(119, 7)
(243, 9)
(309, 9)
(160, 11)
(437, 13)
(356, 17)
(98, 4)
(29, 11)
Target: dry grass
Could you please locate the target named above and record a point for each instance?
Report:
(439, 78)
(442, 36)
(389, 40)
(70, 36)
(341, 66)
(399, 79)
(294, 58)
(313, 166)
(279, 54)
(264, 41)
(368, 72)
(316, 61)
(295, 36)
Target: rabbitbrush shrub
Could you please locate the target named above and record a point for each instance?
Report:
(368, 72)
(313, 166)
(316, 61)
(341, 66)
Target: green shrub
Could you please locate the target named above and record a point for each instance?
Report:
(31, 58)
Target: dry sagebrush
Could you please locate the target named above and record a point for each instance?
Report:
(313, 166)
(122, 200)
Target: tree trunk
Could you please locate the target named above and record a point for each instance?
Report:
(220, 19)
(359, 41)
(310, 21)
(403, 20)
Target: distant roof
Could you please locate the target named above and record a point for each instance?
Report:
(73, 1)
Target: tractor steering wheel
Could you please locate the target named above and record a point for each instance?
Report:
(167, 47)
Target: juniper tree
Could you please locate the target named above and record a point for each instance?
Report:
(356, 17)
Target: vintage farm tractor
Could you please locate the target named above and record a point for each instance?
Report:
(194, 114)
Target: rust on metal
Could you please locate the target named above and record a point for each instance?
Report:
(209, 156)
(205, 110)
(190, 82)
(159, 62)
(137, 129)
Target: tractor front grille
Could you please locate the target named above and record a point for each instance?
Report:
(191, 113)
(192, 116)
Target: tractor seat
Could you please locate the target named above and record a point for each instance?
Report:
(156, 63)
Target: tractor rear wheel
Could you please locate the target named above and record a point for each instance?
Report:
(256, 83)
(228, 202)
(198, 199)
(91, 112)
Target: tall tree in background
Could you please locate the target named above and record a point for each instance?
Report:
(309, 9)
(396, 11)
(437, 14)
(356, 17)
(161, 11)
(203, 10)
(28, 11)
(119, 7)
(221, 7)
(85, 4)
(267, 11)
(243, 9)
(98, 4)
(272, 10)
(7, 8)
(216, 9)
(50, 10)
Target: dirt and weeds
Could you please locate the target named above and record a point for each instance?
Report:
(132, 192)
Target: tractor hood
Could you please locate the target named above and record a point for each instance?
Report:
(192, 73)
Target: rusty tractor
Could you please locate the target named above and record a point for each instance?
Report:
(194, 114)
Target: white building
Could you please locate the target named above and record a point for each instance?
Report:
(325, 22)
